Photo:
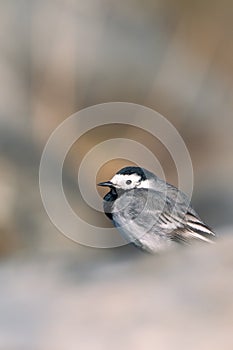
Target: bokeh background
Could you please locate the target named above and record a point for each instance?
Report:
(57, 57)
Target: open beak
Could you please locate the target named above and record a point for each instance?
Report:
(106, 184)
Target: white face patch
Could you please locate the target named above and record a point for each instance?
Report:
(145, 184)
(127, 182)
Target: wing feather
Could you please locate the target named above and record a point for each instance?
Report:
(151, 212)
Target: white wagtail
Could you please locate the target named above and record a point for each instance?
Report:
(151, 213)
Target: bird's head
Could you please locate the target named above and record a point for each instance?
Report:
(130, 178)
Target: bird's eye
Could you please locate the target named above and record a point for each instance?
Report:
(128, 182)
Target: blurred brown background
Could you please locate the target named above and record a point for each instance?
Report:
(59, 56)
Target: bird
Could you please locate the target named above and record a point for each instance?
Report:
(151, 213)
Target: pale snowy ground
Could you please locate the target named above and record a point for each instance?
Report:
(180, 300)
